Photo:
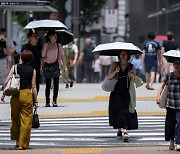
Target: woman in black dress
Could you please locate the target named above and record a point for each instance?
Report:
(119, 116)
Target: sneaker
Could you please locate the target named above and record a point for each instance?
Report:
(171, 145)
(119, 134)
(71, 84)
(47, 105)
(125, 137)
(178, 147)
(67, 86)
(54, 104)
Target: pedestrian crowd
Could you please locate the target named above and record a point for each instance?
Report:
(52, 60)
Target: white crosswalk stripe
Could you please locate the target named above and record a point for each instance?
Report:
(89, 132)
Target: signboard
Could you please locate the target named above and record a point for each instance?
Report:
(111, 18)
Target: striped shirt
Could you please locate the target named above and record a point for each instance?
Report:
(173, 98)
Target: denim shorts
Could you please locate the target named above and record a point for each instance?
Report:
(149, 69)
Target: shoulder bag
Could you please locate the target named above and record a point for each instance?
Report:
(13, 84)
(108, 85)
(52, 70)
(164, 94)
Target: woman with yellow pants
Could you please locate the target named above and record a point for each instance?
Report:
(22, 103)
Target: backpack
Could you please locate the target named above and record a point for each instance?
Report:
(88, 55)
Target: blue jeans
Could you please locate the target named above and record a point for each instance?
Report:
(177, 131)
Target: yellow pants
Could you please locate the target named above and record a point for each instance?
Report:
(21, 116)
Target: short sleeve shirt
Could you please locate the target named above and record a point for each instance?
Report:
(173, 98)
(169, 45)
(151, 48)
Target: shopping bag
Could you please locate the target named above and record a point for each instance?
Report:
(13, 84)
(35, 121)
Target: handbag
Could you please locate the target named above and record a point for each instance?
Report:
(35, 121)
(13, 84)
(164, 94)
(134, 119)
(108, 85)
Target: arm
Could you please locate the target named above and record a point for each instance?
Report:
(34, 89)
(159, 58)
(143, 57)
(113, 70)
(6, 81)
(81, 57)
(44, 50)
(159, 92)
(62, 60)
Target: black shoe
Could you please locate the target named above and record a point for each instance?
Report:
(47, 105)
(54, 104)
(71, 84)
(119, 134)
(67, 86)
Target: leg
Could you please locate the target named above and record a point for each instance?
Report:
(47, 94)
(147, 74)
(152, 80)
(55, 92)
(147, 80)
(15, 112)
(26, 114)
(170, 124)
(177, 131)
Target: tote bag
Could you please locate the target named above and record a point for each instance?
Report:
(164, 94)
(13, 84)
(108, 85)
(163, 97)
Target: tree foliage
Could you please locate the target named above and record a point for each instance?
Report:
(90, 11)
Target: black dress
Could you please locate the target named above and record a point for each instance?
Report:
(119, 116)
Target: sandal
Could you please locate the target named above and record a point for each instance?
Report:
(54, 104)
(147, 87)
(19, 148)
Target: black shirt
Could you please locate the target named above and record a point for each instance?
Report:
(36, 50)
(169, 45)
(26, 73)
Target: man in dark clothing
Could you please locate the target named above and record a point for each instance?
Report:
(151, 58)
(170, 44)
(34, 46)
(86, 59)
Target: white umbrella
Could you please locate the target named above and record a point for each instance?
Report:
(45, 24)
(112, 49)
(171, 55)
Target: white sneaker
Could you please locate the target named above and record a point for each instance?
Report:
(178, 147)
(125, 137)
(171, 145)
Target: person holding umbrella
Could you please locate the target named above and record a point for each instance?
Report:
(172, 122)
(119, 101)
(53, 55)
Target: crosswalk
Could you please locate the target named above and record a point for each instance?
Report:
(88, 132)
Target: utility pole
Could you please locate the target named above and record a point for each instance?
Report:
(75, 20)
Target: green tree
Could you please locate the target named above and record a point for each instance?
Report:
(90, 11)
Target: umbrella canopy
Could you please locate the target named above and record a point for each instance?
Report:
(161, 37)
(45, 25)
(64, 37)
(171, 55)
(112, 49)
